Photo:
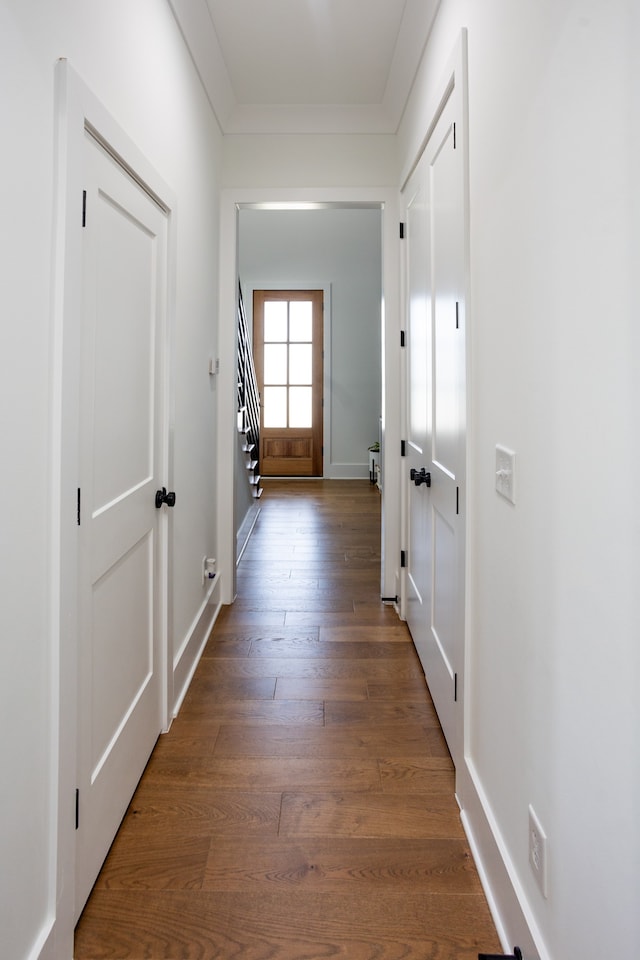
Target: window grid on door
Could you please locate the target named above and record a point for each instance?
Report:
(288, 363)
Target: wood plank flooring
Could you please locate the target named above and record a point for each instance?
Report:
(301, 806)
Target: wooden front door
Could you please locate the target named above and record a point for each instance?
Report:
(287, 344)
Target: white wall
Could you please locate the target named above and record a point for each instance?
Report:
(554, 653)
(309, 161)
(341, 251)
(554, 626)
(133, 58)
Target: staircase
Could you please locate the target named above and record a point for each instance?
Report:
(248, 405)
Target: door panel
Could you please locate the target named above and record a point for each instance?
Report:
(287, 344)
(443, 621)
(436, 402)
(120, 601)
(419, 534)
(124, 266)
(448, 364)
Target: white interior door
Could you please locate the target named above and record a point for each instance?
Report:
(121, 450)
(418, 451)
(436, 420)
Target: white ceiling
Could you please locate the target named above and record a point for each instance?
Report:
(306, 66)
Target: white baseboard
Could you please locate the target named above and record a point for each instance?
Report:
(44, 947)
(346, 471)
(192, 647)
(511, 913)
(245, 530)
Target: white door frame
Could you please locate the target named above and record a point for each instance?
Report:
(78, 109)
(230, 202)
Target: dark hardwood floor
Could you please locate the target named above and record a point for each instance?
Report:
(301, 806)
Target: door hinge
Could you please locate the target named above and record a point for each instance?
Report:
(403, 448)
(402, 339)
(77, 808)
(84, 208)
(401, 231)
(78, 507)
(403, 558)
(455, 687)
(454, 137)
(457, 315)
(457, 501)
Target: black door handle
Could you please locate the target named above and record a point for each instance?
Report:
(420, 476)
(163, 497)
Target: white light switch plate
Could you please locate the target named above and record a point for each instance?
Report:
(506, 473)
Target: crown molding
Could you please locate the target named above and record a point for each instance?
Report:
(196, 25)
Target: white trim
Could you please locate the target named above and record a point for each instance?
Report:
(188, 657)
(196, 25)
(401, 572)
(44, 947)
(77, 109)
(327, 363)
(505, 895)
(390, 394)
(246, 529)
(230, 201)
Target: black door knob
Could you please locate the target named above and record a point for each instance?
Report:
(420, 476)
(163, 497)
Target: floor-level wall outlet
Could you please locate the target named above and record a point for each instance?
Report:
(538, 851)
(208, 571)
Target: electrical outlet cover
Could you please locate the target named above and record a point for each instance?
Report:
(538, 851)
(506, 473)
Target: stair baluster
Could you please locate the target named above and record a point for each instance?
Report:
(248, 401)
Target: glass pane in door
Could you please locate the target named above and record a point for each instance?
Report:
(275, 321)
(275, 363)
(275, 406)
(300, 320)
(300, 363)
(300, 407)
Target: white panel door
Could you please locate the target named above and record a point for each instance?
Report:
(418, 561)
(120, 658)
(436, 405)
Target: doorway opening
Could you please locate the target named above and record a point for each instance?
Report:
(300, 240)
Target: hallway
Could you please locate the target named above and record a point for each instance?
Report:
(302, 804)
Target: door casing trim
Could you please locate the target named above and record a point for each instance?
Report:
(231, 201)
